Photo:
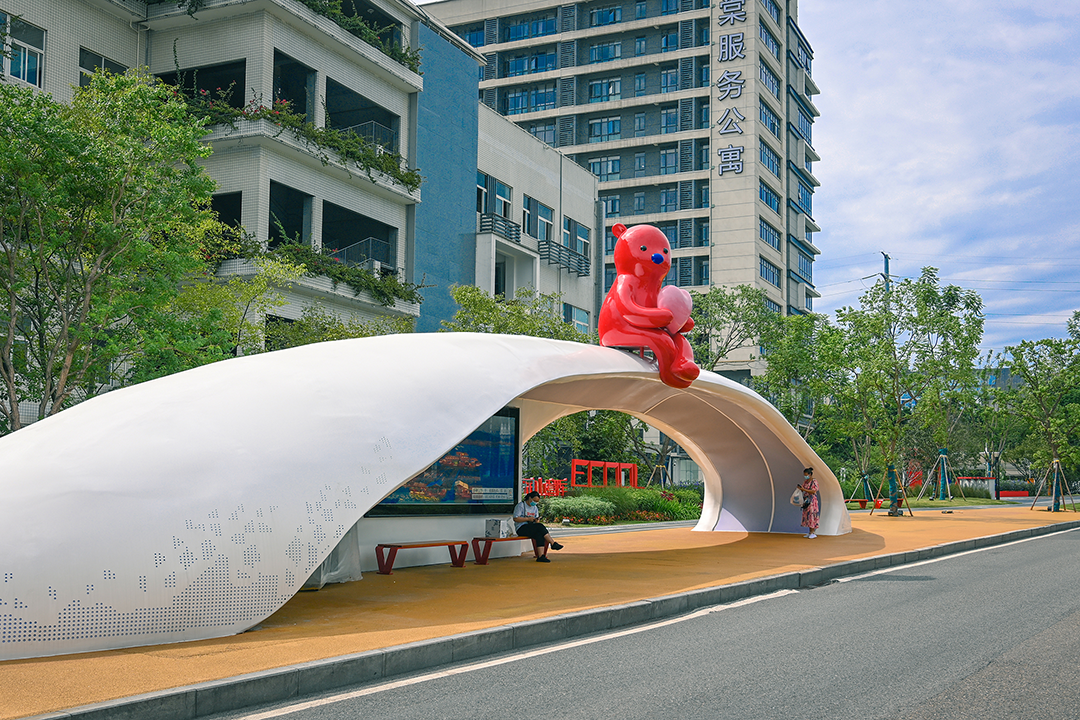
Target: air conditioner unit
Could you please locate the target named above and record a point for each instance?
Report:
(373, 265)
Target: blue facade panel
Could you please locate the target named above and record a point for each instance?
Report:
(446, 135)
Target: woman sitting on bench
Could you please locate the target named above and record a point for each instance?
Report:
(527, 519)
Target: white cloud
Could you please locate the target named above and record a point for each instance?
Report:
(949, 137)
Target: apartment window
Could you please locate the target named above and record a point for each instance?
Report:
(577, 317)
(290, 216)
(605, 16)
(481, 192)
(605, 51)
(770, 42)
(528, 64)
(770, 119)
(703, 234)
(806, 267)
(701, 271)
(769, 196)
(770, 159)
(604, 129)
(639, 164)
(639, 46)
(639, 124)
(808, 164)
(669, 41)
(668, 163)
(545, 222)
(768, 78)
(609, 277)
(474, 35)
(605, 168)
(806, 198)
(611, 205)
(703, 157)
(536, 218)
(703, 80)
(809, 304)
(25, 57)
(805, 127)
(529, 27)
(769, 272)
(669, 80)
(704, 119)
(605, 90)
(771, 305)
(769, 234)
(504, 195)
(576, 236)
(609, 242)
(90, 62)
(542, 97)
(669, 120)
(639, 84)
(517, 101)
(703, 196)
(641, 11)
(671, 232)
(773, 9)
(669, 200)
(669, 7)
(543, 131)
(639, 203)
(804, 57)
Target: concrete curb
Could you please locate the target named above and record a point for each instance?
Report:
(295, 681)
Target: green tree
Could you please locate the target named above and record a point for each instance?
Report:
(803, 368)
(316, 324)
(1047, 397)
(100, 216)
(909, 357)
(730, 319)
(529, 313)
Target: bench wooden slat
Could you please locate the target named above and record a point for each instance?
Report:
(459, 549)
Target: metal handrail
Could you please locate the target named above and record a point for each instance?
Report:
(497, 224)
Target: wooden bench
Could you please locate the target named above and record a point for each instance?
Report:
(481, 546)
(459, 549)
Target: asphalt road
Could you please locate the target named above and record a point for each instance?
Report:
(988, 634)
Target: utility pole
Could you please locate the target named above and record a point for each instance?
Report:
(885, 274)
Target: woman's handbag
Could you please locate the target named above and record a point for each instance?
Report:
(797, 498)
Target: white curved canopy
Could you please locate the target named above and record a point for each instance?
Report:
(195, 505)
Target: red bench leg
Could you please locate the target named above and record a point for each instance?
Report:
(457, 554)
(386, 565)
(480, 556)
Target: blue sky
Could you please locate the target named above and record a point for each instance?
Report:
(950, 136)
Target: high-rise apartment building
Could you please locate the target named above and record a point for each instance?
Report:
(695, 117)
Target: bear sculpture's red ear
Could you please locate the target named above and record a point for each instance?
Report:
(617, 230)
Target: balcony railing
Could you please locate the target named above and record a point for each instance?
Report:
(558, 254)
(376, 134)
(371, 248)
(497, 224)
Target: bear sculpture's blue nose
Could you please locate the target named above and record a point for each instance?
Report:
(658, 258)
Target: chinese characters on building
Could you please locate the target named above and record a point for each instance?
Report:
(730, 83)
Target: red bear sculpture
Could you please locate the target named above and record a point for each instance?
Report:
(634, 313)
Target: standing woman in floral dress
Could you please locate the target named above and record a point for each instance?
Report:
(811, 511)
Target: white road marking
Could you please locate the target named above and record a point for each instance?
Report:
(340, 697)
(905, 566)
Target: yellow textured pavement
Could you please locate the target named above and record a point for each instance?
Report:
(436, 601)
